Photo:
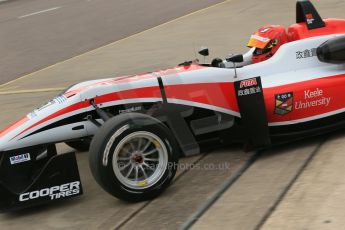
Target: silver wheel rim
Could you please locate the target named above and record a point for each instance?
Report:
(140, 160)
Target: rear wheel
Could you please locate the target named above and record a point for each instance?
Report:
(133, 157)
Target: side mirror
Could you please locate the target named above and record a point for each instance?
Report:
(235, 58)
(204, 51)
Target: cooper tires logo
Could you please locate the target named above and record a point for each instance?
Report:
(55, 192)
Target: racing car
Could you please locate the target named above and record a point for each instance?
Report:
(137, 127)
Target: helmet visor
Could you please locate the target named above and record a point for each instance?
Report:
(258, 41)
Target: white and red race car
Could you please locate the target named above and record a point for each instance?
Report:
(139, 125)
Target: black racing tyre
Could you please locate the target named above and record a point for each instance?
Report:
(81, 145)
(133, 157)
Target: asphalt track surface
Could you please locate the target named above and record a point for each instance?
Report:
(38, 33)
(260, 190)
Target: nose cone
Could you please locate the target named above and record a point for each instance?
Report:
(8, 134)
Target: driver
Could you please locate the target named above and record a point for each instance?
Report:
(266, 42)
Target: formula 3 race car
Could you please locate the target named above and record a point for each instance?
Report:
(138, 126)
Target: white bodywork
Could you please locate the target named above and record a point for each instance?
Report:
(283, 68)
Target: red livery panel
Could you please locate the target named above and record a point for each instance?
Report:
(300, 30)
(307, 99)
(215, 94)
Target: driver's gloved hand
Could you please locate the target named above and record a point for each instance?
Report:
(216, 62)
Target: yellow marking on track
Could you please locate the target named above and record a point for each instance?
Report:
(31, 91)
(118, 41)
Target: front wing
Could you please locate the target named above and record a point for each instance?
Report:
(37, 175)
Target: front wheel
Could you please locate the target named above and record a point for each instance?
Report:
(134, 157)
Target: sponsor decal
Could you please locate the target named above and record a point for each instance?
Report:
(20, 158)
(53, 193)
(248, 83)
(310, 18)
(250, 87)
(306, 53)
(249, 91)
(313, 98)
(283, 103)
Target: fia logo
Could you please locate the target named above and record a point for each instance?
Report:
(248, 83)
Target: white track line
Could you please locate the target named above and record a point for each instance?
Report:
(113, 43)
(39, 12)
